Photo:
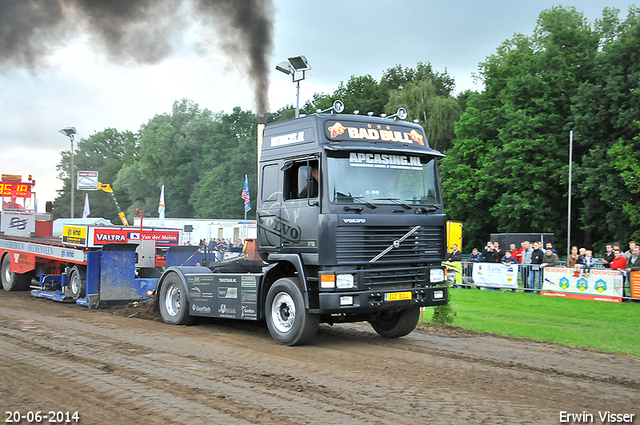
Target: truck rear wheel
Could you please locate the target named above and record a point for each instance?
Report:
(394, 324)
(287, 319)
(13, 281)
(78, 282)
(174, 305)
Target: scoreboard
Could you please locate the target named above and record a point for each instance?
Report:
(17, 189)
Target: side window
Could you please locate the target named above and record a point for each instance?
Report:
(269, 183)
(295, 178)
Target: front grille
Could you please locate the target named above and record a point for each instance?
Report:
(360, 244)
(392, 279)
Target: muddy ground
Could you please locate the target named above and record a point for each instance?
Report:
(124, 366)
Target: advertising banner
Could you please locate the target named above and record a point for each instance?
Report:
(87, 180)
(18, 223)
(74, 235)
(495, 275)
(635, 285)
(599, 285)
(97, 236)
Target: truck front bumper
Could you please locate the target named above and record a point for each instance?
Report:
(374, 301)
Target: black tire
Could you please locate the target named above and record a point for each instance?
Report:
(174, 304)
(78, 282)
(394, 324)
(287, 319)
(14, 281)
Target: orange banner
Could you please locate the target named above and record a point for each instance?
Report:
(635, 285)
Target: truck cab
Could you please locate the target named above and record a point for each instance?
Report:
(351, 226)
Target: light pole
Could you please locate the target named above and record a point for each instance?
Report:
(70, 132)
(296, 67)
(569, 196)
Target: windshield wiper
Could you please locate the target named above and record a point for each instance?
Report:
(427, 209)
(349, 197)
(395, 201)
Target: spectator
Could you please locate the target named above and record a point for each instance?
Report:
(496, 247)
(629, 253)
(536, 261)
(587, 263)
(608, 256)
(618, 262)
(12, 205)
(573, 257)
(490, 254)
(455, 254)
(549, 245)
(550, 258)
(633, 265)
(508, 260)
(525, 269)
(516, 253)
(581, 254)
(476, 256)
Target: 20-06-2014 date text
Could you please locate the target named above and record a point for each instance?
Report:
(52, 417)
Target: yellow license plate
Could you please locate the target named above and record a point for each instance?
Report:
(397, 296)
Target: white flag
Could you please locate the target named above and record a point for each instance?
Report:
(86, 211)
(161, 207)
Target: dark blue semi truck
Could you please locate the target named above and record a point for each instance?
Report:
(351, 227)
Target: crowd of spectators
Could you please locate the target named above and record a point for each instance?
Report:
(533, 257)
(220, 245)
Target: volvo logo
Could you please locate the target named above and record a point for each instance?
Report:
(354, 220)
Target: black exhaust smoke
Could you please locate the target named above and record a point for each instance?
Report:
(139, 31)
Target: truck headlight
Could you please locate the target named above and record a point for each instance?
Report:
(344, 281)
(436, 275)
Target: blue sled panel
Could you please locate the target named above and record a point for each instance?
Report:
(117, 274)
(184, 256)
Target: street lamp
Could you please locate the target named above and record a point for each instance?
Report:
(296, 67)
(70, 132)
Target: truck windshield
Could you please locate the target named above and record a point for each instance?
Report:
(374, 178)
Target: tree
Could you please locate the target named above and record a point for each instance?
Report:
(511, 148)
(231, 157)
(437, 114)
(170, 153)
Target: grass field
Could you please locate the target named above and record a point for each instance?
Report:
(603, 326)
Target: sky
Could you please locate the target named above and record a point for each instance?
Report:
(76, 84)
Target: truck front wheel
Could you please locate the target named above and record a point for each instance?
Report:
(174, 306)
(287, 319)
(394, 324)
(13, 281)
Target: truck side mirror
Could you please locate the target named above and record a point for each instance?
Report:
(304, 181)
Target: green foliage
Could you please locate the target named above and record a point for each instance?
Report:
(443, 314)
(424, 93)
(201, 158)
(507, 170)
(625, 159)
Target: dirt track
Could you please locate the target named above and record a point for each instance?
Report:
(116, 369)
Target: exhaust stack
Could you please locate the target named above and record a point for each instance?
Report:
(262, 123)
